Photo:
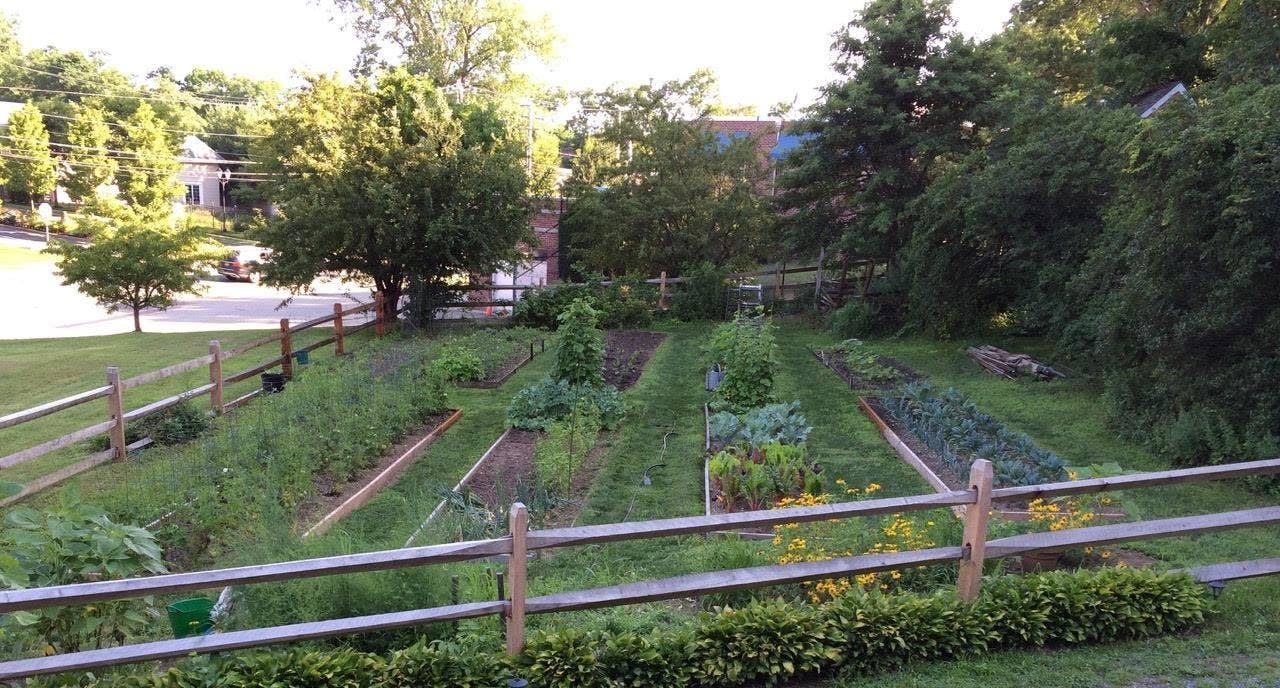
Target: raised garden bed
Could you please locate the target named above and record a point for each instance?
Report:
(519, 358)
(836, 362)
(331, 501)
(626, 352)
(934, 471)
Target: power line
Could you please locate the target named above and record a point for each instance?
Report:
(176, 131)
(59, 144)
(214, 100)
(245, 176)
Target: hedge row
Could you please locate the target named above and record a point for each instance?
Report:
(763, 643)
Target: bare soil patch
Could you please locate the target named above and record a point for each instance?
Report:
(510, 465)
(626, 352)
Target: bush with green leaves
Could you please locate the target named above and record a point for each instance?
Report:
(580, 347)
(761, 643)
(702, 294)
(541, 404)
(624, 302)
(542, 307)
(745, 350)
(865, 363)
(457, 363)
(76, 543)
(951, 425)
(852, 320)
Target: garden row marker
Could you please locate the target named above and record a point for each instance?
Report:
(286, 349)
(517, 569)
(337, 329)
(215, 377)
(115, 408)
(976, 515)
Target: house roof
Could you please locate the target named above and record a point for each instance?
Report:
(197, 152)
(7, 108)
(1148, 102)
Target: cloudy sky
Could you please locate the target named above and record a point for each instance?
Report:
(763, 52)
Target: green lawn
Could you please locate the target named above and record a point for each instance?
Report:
(15, 256)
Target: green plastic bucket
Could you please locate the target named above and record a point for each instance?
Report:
(303, 357)
(191, 617)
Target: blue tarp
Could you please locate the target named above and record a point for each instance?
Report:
(786, 144)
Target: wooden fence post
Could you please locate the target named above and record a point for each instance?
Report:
(215, 377)
(976, 515)
(286, 348)
(662, 291)
(517, 571)
(379, 306)
(115, 407)
(337, 329)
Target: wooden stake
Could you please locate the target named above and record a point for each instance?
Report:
(215, 377)
(337, 329)
(115, 408)
(976, 516)
(517, 570)
(286, 349)
(662, 291)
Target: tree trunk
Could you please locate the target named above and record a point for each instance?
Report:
(137, 322)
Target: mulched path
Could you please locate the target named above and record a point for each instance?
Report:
(626, 352)
(328, 493)
(835, 361)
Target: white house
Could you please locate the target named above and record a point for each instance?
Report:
(1147, 103)
(198, 175)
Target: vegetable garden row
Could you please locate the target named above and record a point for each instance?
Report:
(608, 427)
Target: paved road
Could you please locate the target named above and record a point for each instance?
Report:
(35, 304)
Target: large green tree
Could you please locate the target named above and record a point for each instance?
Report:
(133, 260)
(458, 44)
(910, 94)
(385, 180)
(90, 165)
(150, 185)
(654, 189)
(29, 164)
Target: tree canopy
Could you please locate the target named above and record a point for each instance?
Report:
(29, 166)
(386, 180)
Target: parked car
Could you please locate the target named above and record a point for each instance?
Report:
(236, 267)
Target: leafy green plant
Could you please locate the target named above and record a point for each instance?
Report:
(745, 349)
(767, 642)
(541, 404)
(702, 294)
(854, 319)
(458, 363)
(561, 452)
(457, 665)
(76, 543)
(863, 362)
(580, 350)
(765, 425)
(950, 424)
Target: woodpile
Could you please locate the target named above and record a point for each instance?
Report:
(1009, 365)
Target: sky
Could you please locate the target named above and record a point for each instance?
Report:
(763, 52)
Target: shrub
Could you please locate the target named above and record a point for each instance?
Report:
(542, 307)
(541, 404)
(852, 320)
(744, 348)
(762, 643)
(76, 543)
(624, 302)
(580, 350)
(458, 363)
(177, 424)
(702, 294)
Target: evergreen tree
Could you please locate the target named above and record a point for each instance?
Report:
(150, 185)
(29, 164)
(90, 165)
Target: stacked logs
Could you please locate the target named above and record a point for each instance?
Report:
(1009, 365)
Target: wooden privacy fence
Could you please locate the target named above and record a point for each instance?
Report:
(117, 418)
(969, 556)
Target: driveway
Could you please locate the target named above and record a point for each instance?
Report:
(37, 306)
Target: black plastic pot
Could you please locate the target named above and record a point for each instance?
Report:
(272, 382)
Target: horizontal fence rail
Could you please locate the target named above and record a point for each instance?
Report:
(119, 417)
(968, 556)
